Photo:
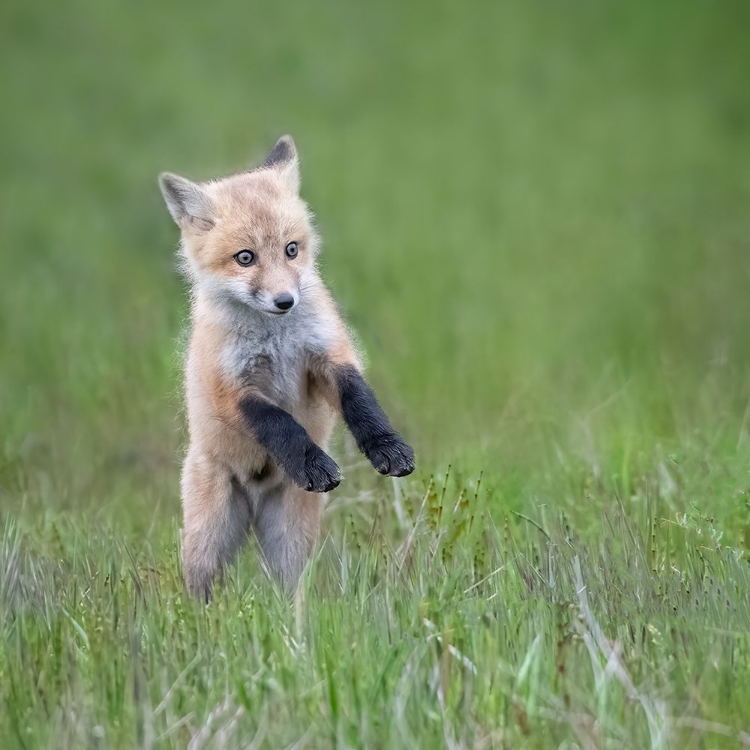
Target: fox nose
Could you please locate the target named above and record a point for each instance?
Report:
(284, 301)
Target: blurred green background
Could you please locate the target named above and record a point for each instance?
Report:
(536, 215)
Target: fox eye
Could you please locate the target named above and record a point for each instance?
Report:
(245, 257)
(291, 250)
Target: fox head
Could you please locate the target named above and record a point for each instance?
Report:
(247, 238)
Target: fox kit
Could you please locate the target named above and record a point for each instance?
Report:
(269, 366)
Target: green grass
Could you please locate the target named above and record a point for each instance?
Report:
(537, 217)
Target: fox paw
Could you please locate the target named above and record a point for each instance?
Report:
(321, 473)
(390, 455)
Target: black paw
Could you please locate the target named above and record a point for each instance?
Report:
(321, 472)
(390, 455)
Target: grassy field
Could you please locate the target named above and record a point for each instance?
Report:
(537, 217)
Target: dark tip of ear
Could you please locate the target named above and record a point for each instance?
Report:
(173, 187)
(166, 181)
(282, 152)
(185, 200)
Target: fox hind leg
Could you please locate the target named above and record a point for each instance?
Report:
(216, 522)
(287, 525)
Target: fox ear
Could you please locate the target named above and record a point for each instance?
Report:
(186, 200)
(283, 158)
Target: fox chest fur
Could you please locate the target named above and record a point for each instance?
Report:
(274, 360)
(232, 358)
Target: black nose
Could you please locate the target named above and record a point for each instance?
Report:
(284, 301)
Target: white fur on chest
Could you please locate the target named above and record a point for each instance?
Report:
(275, 353)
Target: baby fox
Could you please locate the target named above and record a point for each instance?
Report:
(270, 363)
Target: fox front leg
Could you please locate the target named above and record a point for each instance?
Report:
(287, 442)
(369, 425)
